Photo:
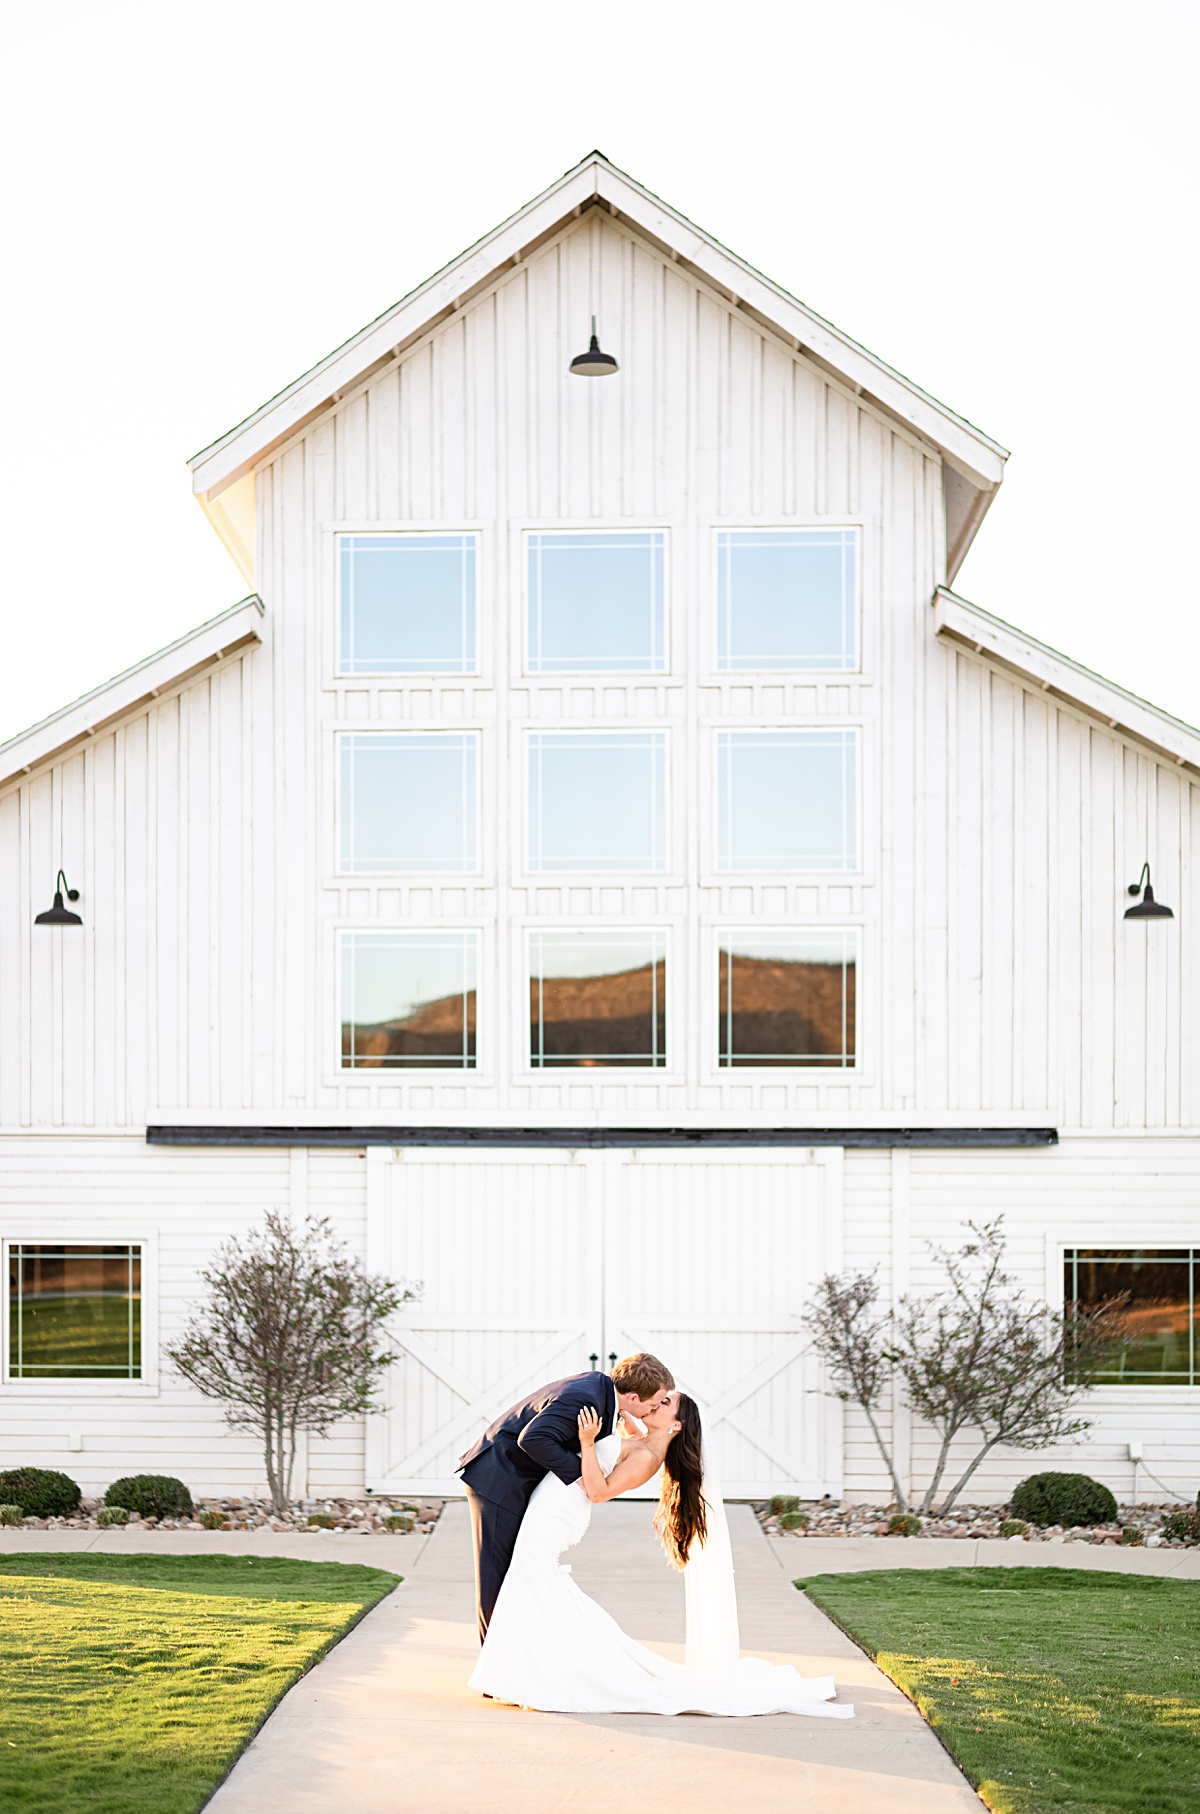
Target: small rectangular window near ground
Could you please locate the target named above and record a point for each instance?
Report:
(407, 802)
(597, 800)
(787, 800)
(787, 997)
(407, 604)
(597, 998)
(75, 1312)
(595, 603)
(786, 598)
(408, 1000)
(1159, 1286)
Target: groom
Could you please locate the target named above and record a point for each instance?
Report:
(540, 1436)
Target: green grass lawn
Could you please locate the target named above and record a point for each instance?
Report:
(128, 1685)
(1057, 1689)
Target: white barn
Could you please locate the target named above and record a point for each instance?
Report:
(606, 869)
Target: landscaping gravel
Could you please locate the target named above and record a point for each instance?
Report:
(365, 1516)
(824, 1519)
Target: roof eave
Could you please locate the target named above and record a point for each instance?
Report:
(977, 456)
(957, 620)
(214, 642)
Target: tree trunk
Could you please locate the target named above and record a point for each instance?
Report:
(901, 1497)
(939, 1469)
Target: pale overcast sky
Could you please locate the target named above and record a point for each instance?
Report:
(199, 202)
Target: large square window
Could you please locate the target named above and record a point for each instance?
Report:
(407, 604)
(597, 998)
(597, 800)
(75, 1312)
(1159, 1286)
(596, 602)
(408, 1000)
(787, 997)
(407, 802)
(787, 800)
(786, 598)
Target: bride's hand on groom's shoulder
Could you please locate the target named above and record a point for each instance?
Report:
(589, 1425)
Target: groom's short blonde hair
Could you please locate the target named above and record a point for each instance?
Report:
(643, 1375)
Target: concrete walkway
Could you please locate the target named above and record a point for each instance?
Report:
(386, 1724)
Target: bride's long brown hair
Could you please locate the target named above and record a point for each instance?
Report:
(681, 1521)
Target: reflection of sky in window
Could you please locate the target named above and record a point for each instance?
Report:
(597, 800)
(786, 598)
(787, 800)
(607, 952)
(390, 975)
(408, 802)
(595, 603)
(407, 604)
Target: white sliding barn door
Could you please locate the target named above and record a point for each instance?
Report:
(509, 1260)
(532, 1261)
(711, 1258)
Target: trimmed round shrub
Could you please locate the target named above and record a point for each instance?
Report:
(1183, 1526)
(40, 1492)
(1065, 1499)
(151, 1496)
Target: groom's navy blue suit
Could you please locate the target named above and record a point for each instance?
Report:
(539, 1436)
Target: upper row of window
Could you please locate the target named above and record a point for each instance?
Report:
(596, 602)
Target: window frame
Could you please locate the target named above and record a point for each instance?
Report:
(624, 727)
(671, 927)
(74, 1233)
(400, 878)
(719, 526)
(372, 678)
(394, 1077)
(715, 876)
(795, 1071)
(520, 589)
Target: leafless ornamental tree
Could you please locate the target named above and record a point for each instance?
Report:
(855, 1344)
(976, 1356)
(980, 1355)
(291, 1337)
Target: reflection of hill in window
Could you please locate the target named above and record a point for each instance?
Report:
(785, 1010)
(603, 1020)
(440, 1032)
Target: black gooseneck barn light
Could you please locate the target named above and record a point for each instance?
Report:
(58, 915)
(1147, 908)
(594, 363)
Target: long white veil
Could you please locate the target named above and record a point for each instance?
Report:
(713, 1641)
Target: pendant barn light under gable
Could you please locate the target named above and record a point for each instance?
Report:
(594, 363)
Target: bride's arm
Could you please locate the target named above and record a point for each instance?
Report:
(634, 1468)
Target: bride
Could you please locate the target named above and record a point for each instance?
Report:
(550, 1647)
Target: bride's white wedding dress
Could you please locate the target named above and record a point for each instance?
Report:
(551, 1647)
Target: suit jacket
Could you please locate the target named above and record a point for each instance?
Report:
(539, 1436)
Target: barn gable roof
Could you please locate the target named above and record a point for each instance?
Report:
(234, 630)
(957, 620)
(975, 461)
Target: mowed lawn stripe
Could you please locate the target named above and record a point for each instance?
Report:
(1059, 1691)
(130, 1685)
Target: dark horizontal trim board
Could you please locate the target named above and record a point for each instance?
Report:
(602, 1136)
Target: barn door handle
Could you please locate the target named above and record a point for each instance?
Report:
(594, 1358)
(612, 1359)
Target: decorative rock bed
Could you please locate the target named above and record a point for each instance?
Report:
(364, 1517)
(821, 1518)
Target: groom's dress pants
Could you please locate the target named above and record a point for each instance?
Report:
(494, 1528)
